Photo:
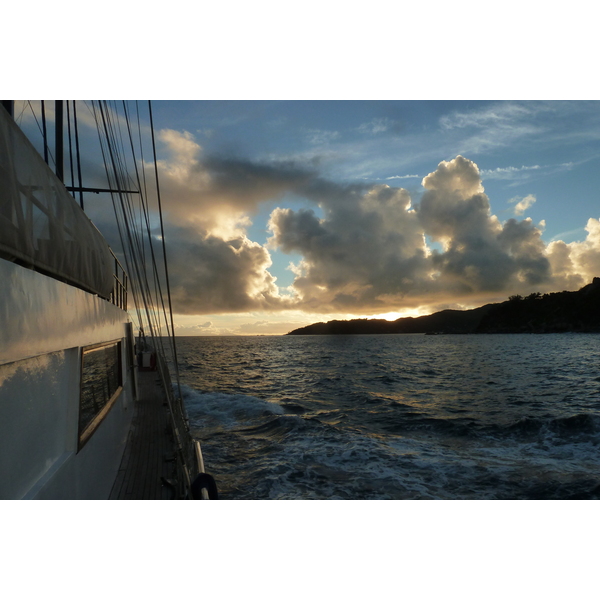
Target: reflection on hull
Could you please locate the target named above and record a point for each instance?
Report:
(45, 326)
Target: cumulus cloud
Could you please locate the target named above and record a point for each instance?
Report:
(576, 263)
(480, 253)
(364, 250)
(369, 251)
(213, 275)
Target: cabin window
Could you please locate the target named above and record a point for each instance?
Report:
(101, 384)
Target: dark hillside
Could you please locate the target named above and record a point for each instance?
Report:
(537, 313)
(548, 313)
(445, 321)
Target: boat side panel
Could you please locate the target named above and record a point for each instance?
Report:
(90, 473)
(36, 421)
(39, 314)
(44, 324)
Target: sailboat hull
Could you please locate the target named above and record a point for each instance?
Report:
(46, 326)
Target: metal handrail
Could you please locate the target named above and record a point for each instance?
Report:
(189, 456)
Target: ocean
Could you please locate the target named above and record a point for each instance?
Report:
(468, 417)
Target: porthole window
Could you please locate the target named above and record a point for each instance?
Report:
(101, 384)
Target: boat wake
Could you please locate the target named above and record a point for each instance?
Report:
(264, 449)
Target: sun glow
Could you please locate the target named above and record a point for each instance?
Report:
(392, 316)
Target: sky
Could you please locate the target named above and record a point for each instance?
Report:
(342, 209)
(283, 213)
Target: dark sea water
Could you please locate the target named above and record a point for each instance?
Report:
(397, 416)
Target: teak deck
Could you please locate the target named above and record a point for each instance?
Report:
(148, 463)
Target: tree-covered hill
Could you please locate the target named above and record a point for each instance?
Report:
(537, 313)
(445, 321)
(546, 313)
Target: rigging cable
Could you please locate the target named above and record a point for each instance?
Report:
(126, 208)
(118, 221)
(45, 131)
(137, 110)
(39, 127)
(154, 262)
(145, 294)
(162, 231)
(133, 241)
(112, 149)
(79, 179)
(127, 204)
(156, 274)
(70, 144)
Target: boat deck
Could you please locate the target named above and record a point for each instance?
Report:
(148, 465)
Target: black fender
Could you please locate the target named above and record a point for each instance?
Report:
(204, 481)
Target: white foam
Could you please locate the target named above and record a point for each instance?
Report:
(228, 410)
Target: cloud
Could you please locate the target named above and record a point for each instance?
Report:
(494, 126)
(364, 252)
(498, 115)
(522, 204)
(209, 274)
(369, 245)
(524, 173)
(369, 253)
(213, 266)
(197, 327)
(319, 137)
(404, 177)
(566, 234)
(508, 172)
(480, 253)
(576, 263)
(377, 125)
(218, 193)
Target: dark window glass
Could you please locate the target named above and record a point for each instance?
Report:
(100, 381)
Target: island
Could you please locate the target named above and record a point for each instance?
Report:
(556, 312)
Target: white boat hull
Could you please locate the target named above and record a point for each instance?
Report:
(44, 325)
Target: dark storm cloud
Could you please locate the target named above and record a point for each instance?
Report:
(218, 191)
(252, 182)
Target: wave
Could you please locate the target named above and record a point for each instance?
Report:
(404, 417)
(568, 428)
(263, 450)
(228, 410)
(293, 407)
(283, 426)
(415, 421)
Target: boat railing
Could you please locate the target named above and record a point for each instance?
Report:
(118, 296)
(189, 457)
